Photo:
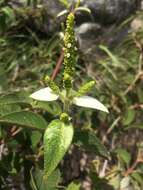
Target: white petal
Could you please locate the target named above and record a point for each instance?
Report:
(89, 102)
(45, 94)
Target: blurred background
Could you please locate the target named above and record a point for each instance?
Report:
(107, 151)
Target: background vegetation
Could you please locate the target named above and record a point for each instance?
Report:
(27, 54)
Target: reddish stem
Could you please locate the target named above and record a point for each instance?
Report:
(58, 66)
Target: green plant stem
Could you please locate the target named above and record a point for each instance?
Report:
(66, 102)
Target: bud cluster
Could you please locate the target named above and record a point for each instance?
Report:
(69, 52)
(85, 88)
(52, 85)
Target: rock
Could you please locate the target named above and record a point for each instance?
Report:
(88, 30)
(53, 7)
(87, 34)
(137, 24)
(141, 5)
(90, 35)
(109, 11)
(104, 12)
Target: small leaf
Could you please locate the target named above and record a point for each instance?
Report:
(125, 182)
(45, 94)
(25, 118)
(85, 9)
(62, 13)
(115, 60)
(135, 125)
(124, 155)
(73, 186)
(89, 102)
(138, 177)
(140, 94)
(129, 117)
(40, 184)
(91, 142)
(8, 11)
(35, 138)
(85, 88)
(51, 107)
(65, 3)
(57, 138)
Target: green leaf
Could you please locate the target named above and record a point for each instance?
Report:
(57, 138)
(24, 118)
(138, 177)
(73, 186)
(40, 184)
(129, 117)
(135, 125)
(52, 108)
(115, 60)
(91, 142)
(8, 11)
(14, 98)
(35, 138)
(140, 94)
(125, 183)
(65, 3)
(84, 9)
(62, 13)
(124, 155)
(6, 109)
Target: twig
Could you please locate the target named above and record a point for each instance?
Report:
(16, 72)
(134, 165)
(58, 65)
(140, 64)
(132, 168)
(136, 106)
(104, 139)
(102, 172)
(131, 86)
(16, 132)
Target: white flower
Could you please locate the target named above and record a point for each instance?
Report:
(69, 45)
(44, 94)
(68, 55)
(89, 102)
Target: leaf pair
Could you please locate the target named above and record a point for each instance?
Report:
(59, 134)
(46, 94)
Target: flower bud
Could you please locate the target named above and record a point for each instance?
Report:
(85, 88)
(52, 85)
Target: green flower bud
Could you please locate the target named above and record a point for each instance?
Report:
(64, 117)
(52, 85)
(85, 88)
(67, 81)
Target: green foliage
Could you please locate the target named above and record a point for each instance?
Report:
(73, 186)
(38, 183)
(25, 119)
(90, 141)
(65, 3)
(57, 138)
(27, 55)
(124, 156)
